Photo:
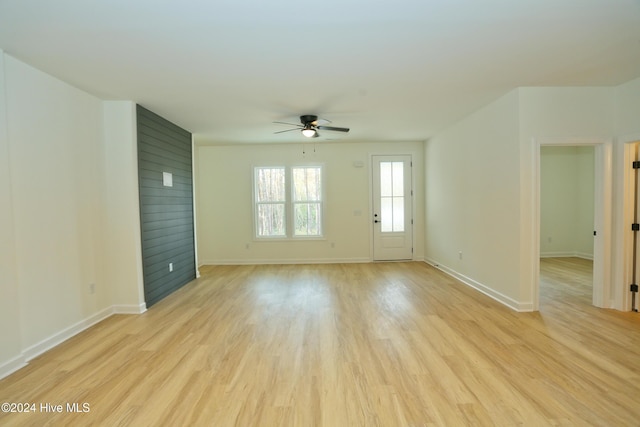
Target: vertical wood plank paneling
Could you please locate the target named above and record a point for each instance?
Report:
(166, 213)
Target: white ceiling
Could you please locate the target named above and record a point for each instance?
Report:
(391, 70)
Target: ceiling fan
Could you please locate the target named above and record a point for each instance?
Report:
(310, 125)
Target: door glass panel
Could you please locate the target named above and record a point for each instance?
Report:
(392, 196)
(398, 214)
(398, 181)
(386, 179)
(386, 214)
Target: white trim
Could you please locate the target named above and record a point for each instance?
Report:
(59, 337)
(13, 365)
(582, 255)
(285, 261)
(137, 232)
(624, 236)
(193, 206)
(602, 215)
(129, 308)
(497, 296)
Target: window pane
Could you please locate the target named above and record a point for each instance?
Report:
(306, 184)
(270, 185)
(307, 217)
(271, 220)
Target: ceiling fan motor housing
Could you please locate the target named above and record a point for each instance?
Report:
(308, 119)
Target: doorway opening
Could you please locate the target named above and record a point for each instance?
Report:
(601, 232)
(567, 191)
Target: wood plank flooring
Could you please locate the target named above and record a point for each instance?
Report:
(383, 344)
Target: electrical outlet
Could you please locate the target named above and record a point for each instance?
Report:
(92, 288)
(170, 267)
(460, 255)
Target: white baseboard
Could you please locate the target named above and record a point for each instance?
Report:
(501, 298)
(31, 352)
(11, 366)
(129, 308)
(582, 255)
(285, 261)
(58, 338)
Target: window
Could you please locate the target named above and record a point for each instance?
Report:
(278, 215)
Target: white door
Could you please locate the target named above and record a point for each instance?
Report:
(392, 208)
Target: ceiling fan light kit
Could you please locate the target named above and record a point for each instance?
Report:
(309, 132)
(310, 124)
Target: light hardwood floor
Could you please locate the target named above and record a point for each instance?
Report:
(383, 344)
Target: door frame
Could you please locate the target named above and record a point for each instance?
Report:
(371, 201)
(624, 234)
(602, 215)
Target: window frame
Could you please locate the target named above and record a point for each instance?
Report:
(289, 203)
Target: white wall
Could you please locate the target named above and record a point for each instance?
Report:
(568, 113)
(10, 323)
(123, 271)
(480, 189)
(566, 201)
(586, 202)
(473, 200)
(55, 138)
(627, 98)
(59, 171)
(224, 201)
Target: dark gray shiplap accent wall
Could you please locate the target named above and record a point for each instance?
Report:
(166, 213)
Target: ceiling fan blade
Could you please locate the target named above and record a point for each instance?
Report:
(320, 122)
(333, 128)
(288, 130)
(289, 124)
